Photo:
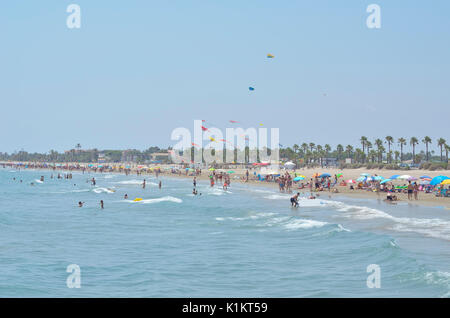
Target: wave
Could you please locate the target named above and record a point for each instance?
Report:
(249, 217)
(157, 200)
(38, 181)
(103, 190)
(134, 181)
(436, 228)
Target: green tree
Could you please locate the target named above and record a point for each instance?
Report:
(413, 142)
(401, 142)
(427, 140)
(441, 142)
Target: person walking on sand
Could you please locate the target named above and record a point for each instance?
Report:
(416, 191)
(410, 190)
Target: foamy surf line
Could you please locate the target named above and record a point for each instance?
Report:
(156, 200)
(437, 228)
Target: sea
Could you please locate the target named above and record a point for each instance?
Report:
(246, 241)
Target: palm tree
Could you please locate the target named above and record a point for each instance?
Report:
(339, 150)
(401, 142)
(427, 140)
(441, 142)
(311, 146)
(447, 149)
(363, 141)
(390, 141)
(413, 142)
(368, 146)
(78, 146)
(379, 144)
(397, 155)
(349, 150)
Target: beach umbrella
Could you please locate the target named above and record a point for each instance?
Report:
(324, 175)
(365, 174)
(412, 178)
(296, 179)
(425, 177)
(395, 176)
(378, 178)
(446, 181)
(315, 175)
(231, 171)
(385, 180)
(211, 169)
(424, 182)
(351, 181)
(361, 179)
(339, 175)
(404, 177)
(300, 175)
(437, 180)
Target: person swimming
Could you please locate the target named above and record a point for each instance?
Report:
(125, 196)
(294, 200)
(80, 204)
(194, 191)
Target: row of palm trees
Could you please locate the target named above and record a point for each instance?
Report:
(374, 152)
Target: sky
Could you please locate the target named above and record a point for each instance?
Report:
(136, 70)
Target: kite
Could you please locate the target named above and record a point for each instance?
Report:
(212, 139)
(204, 128)
(234, 122)
(251, 88)
(270, 56)
(195, 145)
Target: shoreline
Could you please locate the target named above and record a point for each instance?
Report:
(426, 200)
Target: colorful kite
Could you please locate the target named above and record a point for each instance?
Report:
(270, 56)
(251, 88)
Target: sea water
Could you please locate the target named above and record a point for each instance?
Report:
(243, 242)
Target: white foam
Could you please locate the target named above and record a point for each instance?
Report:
(157, 200)
(277, 197)
(38, 181)
(103, 190)
(134, 181)
(436, 228)
(296, 224)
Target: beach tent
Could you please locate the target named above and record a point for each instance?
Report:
(437, 180)
(289, 165)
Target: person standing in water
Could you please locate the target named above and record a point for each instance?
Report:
(195, 182)
(294, 200)
(160, 184)
(143, 184)
(101, 204)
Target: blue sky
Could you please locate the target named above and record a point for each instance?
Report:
(136, 70)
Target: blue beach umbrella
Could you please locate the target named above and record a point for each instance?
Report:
(296, 179)
(378, 178)
(251, 88)
(385, 180)
(437, 180)
(395, 176)
(425, 177)
(361, 179)
(365, 174)
(325, 175)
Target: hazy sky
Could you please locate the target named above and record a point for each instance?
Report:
(136, 70)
